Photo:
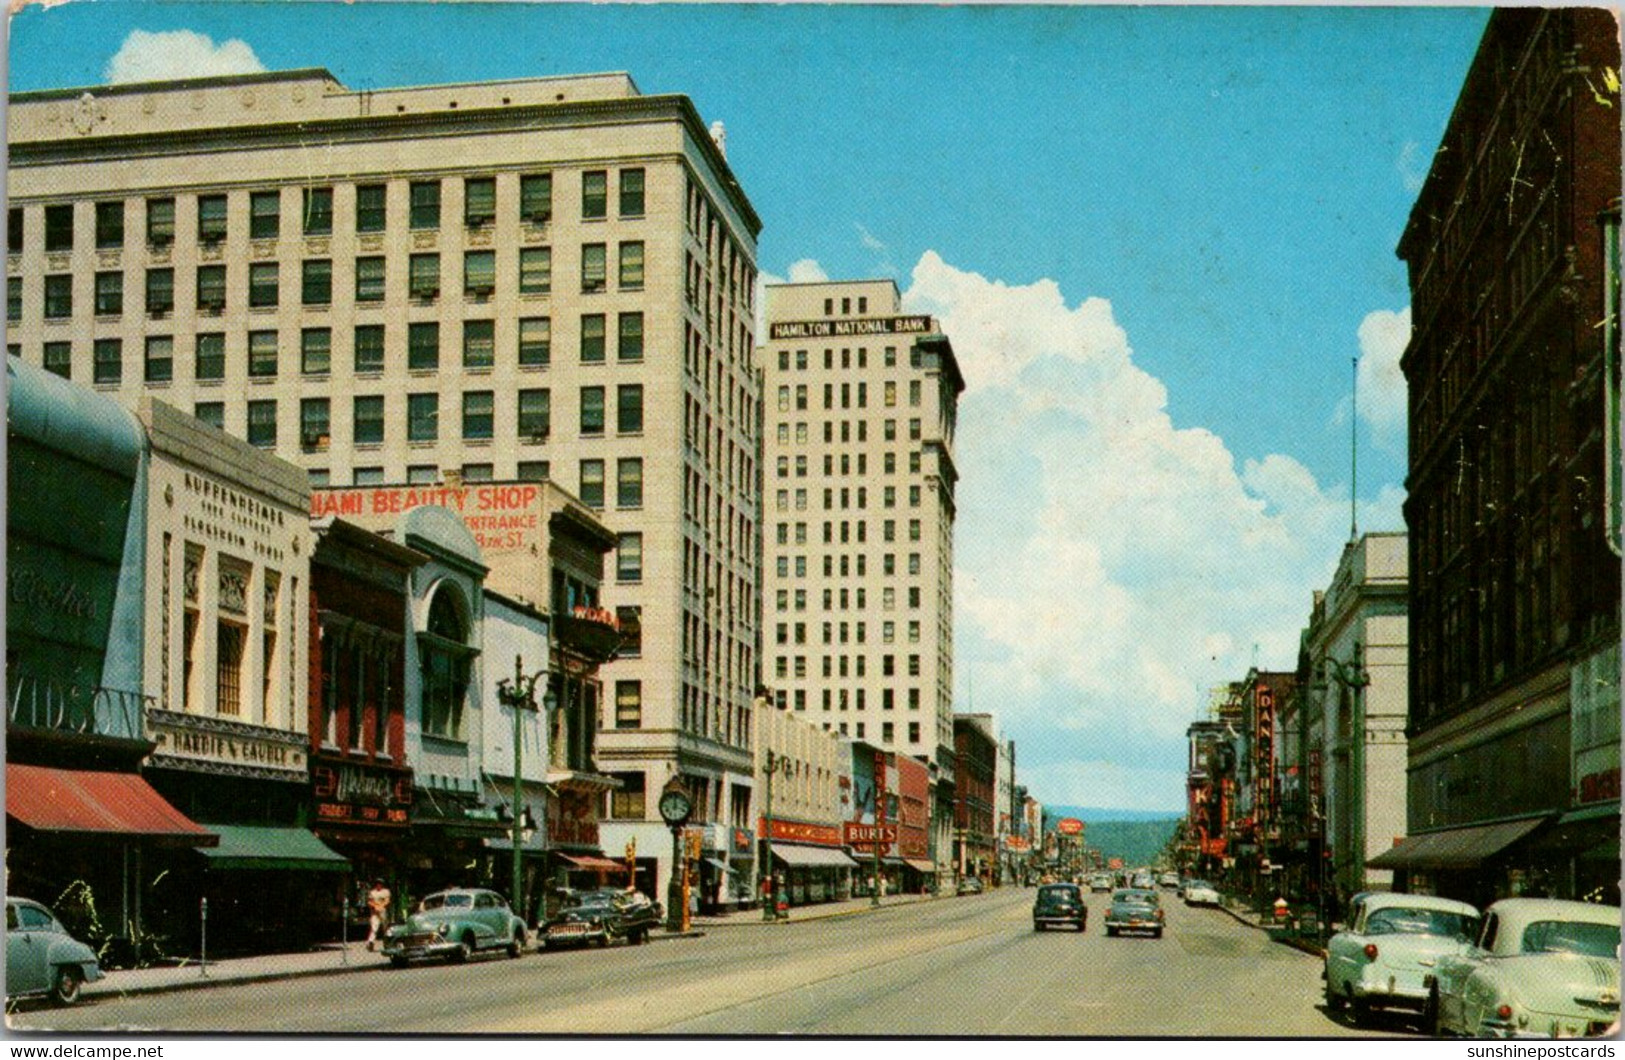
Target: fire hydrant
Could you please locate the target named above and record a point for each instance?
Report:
(1280, 910)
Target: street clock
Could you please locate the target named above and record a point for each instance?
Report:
(675, 804)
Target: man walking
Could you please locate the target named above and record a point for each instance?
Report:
(378, 910)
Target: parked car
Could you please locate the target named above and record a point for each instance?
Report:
(42, 958)
(1394, 940)
(455, 924)
(970, 885)
(1542, 968)
(1200, 892)
(1135, 909)
(1169, 880)
(1100, 881)
(1060, 903)
(601, 915)
(1142, 881)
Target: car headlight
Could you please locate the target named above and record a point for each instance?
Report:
(444, 930)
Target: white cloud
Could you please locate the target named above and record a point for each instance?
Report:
(1412, 172)
(867, 238)
(807, 271)
(1111, 565)
(1379, 383)
(177, 54)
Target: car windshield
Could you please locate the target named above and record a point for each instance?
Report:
(1198, 883)
(1057, 894)
(448, 901)
(1398, 920)
(1569, 936)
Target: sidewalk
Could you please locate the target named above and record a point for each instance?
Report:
(1246, 915)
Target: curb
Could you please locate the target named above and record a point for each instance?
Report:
(1297, 944)
(205, 983)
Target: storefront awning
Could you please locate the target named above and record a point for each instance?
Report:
(261, 847)
(77, 801)
(812, 857)
(920, 866)
(719, 865)
(588, 861)
(1455, 848)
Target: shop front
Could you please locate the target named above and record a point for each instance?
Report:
(363, 811)
(811, 861)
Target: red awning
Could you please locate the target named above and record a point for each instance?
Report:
(71, 800)
(587, 861)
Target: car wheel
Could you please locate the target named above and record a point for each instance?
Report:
(463, 950)
(516, 945)
(1334, 1000)
(1358, 1009)
(1430, 1015)
(398, 962)
(1111, 932)
(65, 983)
(1157, 934)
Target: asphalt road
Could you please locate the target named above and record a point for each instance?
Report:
(958, 967)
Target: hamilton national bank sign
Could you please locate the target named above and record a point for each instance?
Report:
(840, 329)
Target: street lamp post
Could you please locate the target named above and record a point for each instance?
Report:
(676, 804)
(773, 764)
(1354, 676)
(519, 695)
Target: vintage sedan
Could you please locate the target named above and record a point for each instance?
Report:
(42, 958)
(1542, 968)
(1393, 943)
(601, 915)
(455, 924)
(1200, 892)
(1060, 903)
(1134, 909)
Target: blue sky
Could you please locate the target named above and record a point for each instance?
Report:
(1157, 236)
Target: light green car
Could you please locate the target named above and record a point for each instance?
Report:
(1542, 968)
(1392, 944)
(454, 924)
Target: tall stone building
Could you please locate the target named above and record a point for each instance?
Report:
(1514, 560)
(859, 408)
(541, 278)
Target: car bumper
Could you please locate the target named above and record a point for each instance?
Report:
(1134, 925)
(570, 935)
(1068, 919)
(420, 948)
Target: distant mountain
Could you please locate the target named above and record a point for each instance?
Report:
(1136, 836)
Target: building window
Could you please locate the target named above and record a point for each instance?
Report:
(533, 470)
(592, 483)
(593, 267)
(535, 341)
(211, 288)
(14, 230)
(211, 218)
(629, 482)
(160, 222)
(594, 194)
(535, 270)
(14, 298)
(479, 201)
(160, 291)
(211, 356)
(59, 227)
(262, 284)
(478, 414)
(631, 193)
(536, 198)
(369, 348)
(479, 343)
(445, 654)
(107, 365)
(422, 417)
(914, 731)
(592, 338)
(422, 474)
(592, 410)
(315, 427)
(109, 293)
(632, 265)
(629, 558)
(316, 282)
(369, 420)
(479, 273)
(318, 211)
(230, 641)
(109, 225)
(630, 344)
(262, 353)
(626, 803)
(478, 472)
(264, 214)
(160, 367)
(425, 204)
(370, 202)
(315, 351)
(628, 704)
(629, 409)
(368, 476)
(262, 424)
(58, 297)
(369, 279)
(423, 346)
(59, 359)
(211, 412)
(535, 415)
(423, 276)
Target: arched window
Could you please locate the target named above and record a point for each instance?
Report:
(446, 657)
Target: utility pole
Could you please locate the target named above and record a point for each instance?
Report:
(770, 899)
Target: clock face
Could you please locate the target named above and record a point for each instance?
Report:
(674, 806)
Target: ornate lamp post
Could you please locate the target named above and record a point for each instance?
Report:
(772, 764)
(675, 807)
(519, 695)
(1353, 676)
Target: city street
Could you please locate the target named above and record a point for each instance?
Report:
(960, 967)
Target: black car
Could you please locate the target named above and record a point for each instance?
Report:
(1060, 903)
(601, 915)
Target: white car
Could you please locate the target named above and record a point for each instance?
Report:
(1542, 968)
(1392, 945)
(1200, 892)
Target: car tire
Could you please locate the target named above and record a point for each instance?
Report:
(397, 962)
(1037, 926)
(464, 950)
(516, 945)
(65, 983)
(1111, 932)
(1359, 1011)
(1157, 934)
(1430, 1015)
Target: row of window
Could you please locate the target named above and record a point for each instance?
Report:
(849, 531)
(535, 276)
(847, 463)
(845, 600)
(838, 633)
(847, 564)
(837, 665)
(369, 349)
(916, 359)
(845, 499)
(371, 210)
